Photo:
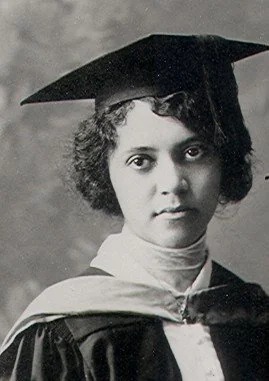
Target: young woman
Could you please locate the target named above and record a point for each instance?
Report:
(166, 145)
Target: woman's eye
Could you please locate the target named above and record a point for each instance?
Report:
(195, 152)
(140, 162)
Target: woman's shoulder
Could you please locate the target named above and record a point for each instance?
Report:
(221, 275)
(44, 350)
(41, 352)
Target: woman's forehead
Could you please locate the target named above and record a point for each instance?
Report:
(144, 128)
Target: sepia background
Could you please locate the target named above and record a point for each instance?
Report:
(47, 232)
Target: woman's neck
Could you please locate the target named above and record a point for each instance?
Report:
(173, 268)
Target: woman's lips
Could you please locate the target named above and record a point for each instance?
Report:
(174, 213)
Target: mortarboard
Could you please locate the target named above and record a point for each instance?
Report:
(156, 65)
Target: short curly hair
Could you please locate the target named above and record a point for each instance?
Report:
(96, 138)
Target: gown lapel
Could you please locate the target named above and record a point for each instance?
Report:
(236, 312)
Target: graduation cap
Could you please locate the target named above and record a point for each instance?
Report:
(156, 65)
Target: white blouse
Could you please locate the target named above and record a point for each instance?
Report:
(191, 344)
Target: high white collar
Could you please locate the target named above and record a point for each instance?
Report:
(130, 258)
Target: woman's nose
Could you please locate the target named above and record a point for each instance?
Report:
(171, 178)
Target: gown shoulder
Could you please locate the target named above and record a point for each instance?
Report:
(43, 352)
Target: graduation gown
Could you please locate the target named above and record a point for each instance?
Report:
(133, 347)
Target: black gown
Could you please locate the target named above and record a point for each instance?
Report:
(133, 347)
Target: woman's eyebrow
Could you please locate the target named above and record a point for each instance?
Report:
(177, 145)
(140, 149)
(191, 139)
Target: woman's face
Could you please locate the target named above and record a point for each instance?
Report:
(167, 180)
